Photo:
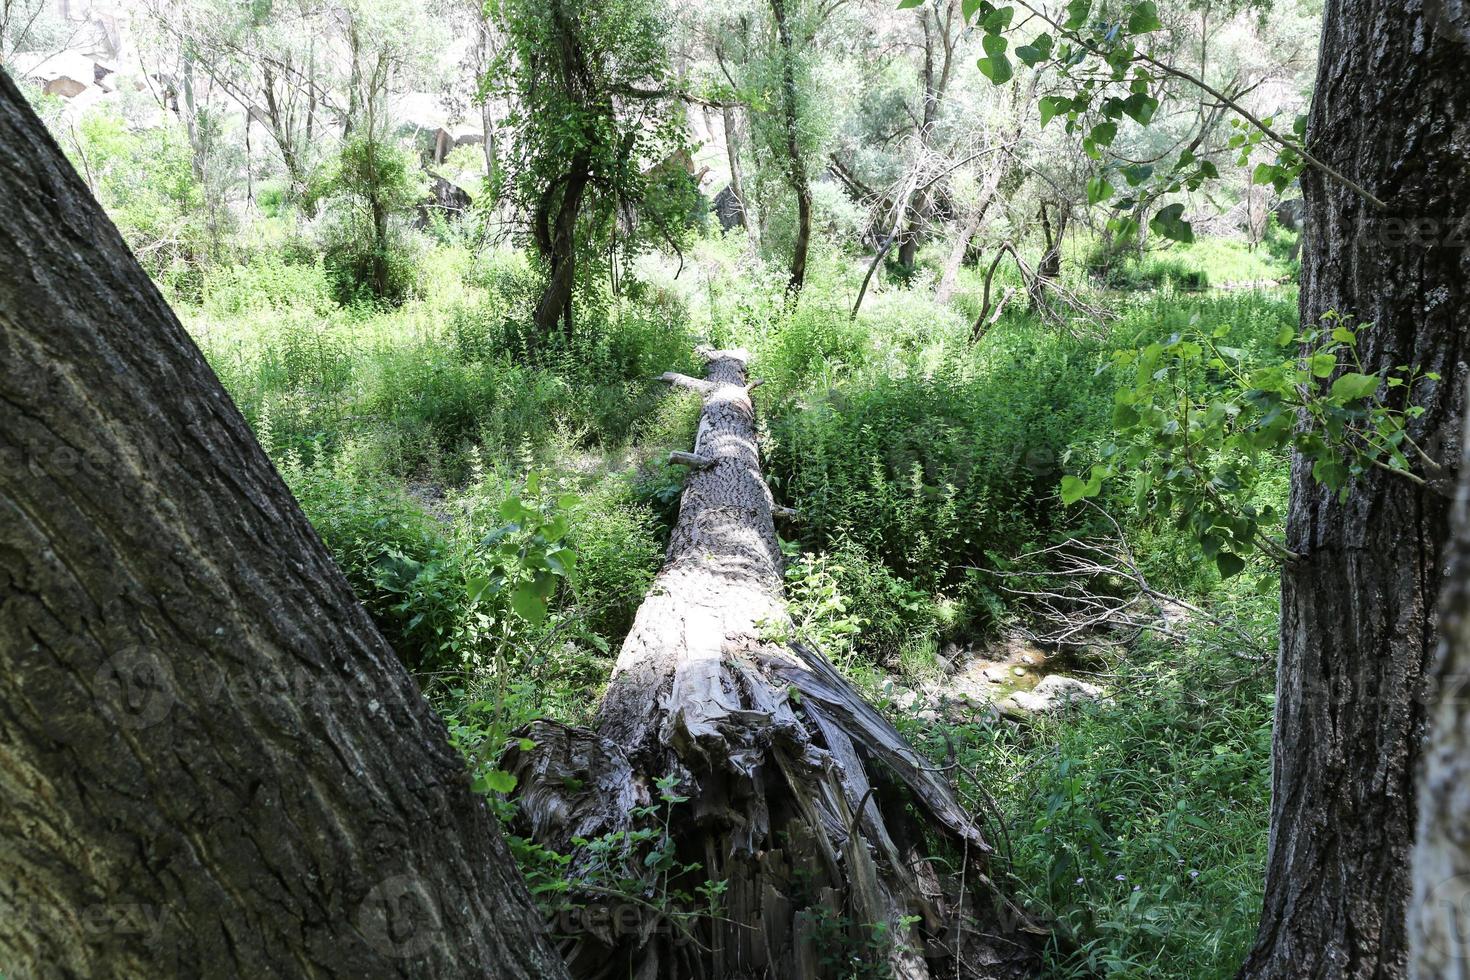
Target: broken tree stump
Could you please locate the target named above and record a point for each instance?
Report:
(801, 798)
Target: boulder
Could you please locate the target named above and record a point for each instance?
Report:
(1051, 696)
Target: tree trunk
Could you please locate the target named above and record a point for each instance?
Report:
(1439, 912)
(211, 761)
(964, 250)
(732, 150)
(1358, 623)
(795, 160)
(798, 792)
(556, 238)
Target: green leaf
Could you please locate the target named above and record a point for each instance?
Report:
(1330, 473)
(511, 509)
(1077, 12)
(1029, 55)
(1137, 173)
(1053, 106)
(1352, 386)
(1229, 564)
(1074, 489)
(998, 20)
(529, 604)
(476, 586)
(1140, 107)
(997, 67)
(1124, 229)
(1285, 336)
(1098, 190)
(1170, 223)
(1104, 133)
(495, 781)
(1145, 18)
(562, 562)
(1322, 365)
(909, 4)
(967, 7)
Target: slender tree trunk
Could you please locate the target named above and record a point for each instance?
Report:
(1358, 622)
(212, 763)
(801, 799)
(556, 237)
(964, 250)
(1439, 912)
(732, 150)
(795, 158)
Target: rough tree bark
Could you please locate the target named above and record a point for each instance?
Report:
(1358, 625)
(555, 228)
(1439, 912)
(211, 761)
(799, 793)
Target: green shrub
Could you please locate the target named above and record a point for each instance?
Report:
(928, 471)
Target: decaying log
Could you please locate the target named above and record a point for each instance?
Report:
(801, 798)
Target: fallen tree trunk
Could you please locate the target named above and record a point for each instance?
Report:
(801, 799)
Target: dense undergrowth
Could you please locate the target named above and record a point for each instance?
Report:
(499, 500)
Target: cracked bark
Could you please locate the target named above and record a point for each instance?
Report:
(1392, 111)
(801, 797)
(1439, 911)
(211, 762)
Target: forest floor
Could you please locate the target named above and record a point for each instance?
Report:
(442, 449)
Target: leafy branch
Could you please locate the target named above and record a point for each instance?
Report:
(1199, 456)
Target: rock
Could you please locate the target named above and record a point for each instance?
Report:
(1049, 697)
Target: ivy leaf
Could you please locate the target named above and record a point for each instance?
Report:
(1229, 564)
(1145, 18)
(1170, 223)
(1140, 107)
(1353, 386)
